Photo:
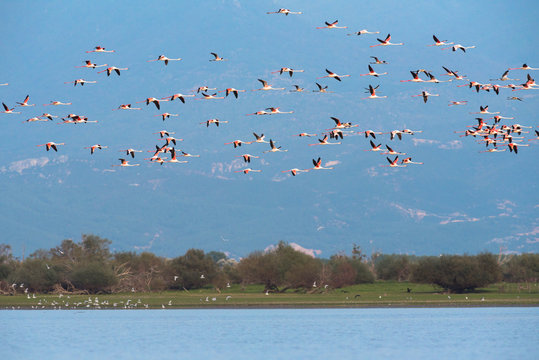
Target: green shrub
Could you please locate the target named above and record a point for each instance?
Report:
(93, 277)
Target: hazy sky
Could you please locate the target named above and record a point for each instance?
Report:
(459, 200)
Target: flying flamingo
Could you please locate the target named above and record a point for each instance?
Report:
(524, 67)
(284, 11)
(297, 89)
(332, 75)
(340, 125)
(228, 91)
(177, 96)
(497, 118)
(324, 141)
(513, 147)
(364, 31)
(247, 157)
(274, 148)
(166, 115)
(518, 128)
(459, 46)
(336, 133)
(4, 84)
(514, 98)
(89, 64)
(505, 77)
(528, 85)
(238, 143)
(153, 100)
(288, 70)
(25, 102)
(432, 79)
(425, 95)
(213, 121)
(131, 152)
(217, 57)
(51, 145)
(454, 73)
(80, 81)
(100, 49)
(295, 171)
(55, 103)
(397, 133)
(110, 69)
(204, 88)
(372, 73)
(210, 97)
(321, 89)
(390, 151)
(372, 91)
(184, 154)
(440, 43)
(247, 170)
(164, 133)
(493, 150)
(408, 160)
(318, 165)
(332, 25)
(96, 146)
(7, 110)
(275, 110)
(266, 86)
(484, 110)
(370, 133)
(261, 112)
(125, 163)
(259, 138)
(165, 59)
(126, 107)
(394, 162)
(170, 139)
(453, 103)
(158, 150)
(173, 158)
(36, 118)
(415, 77)
(385, 42)
(305, 134)
(158, 160)
(378, 61)
(411, 132)
(374, 147)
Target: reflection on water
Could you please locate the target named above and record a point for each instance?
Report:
(456, 333)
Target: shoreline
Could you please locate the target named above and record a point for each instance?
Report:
(280, 306)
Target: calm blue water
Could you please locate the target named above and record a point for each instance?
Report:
(448, 333)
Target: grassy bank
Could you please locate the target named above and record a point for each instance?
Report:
(379, 294)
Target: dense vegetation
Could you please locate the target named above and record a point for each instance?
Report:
(90, 267)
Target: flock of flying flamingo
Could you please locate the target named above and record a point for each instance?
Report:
(497, 136)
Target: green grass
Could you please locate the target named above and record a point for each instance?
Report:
(379, 294)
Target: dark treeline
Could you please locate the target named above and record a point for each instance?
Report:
(90, 267)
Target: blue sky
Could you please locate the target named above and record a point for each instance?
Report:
(459, 201)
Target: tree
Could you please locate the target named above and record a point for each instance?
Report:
(349, 270)
(457, 273)
(95, 249)
(194, 269)
(36, 275)
(93, 277)
(7, 263)
(522, 268)
(144, 272)
(392, 267)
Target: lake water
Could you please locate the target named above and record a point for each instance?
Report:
(403, 333)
